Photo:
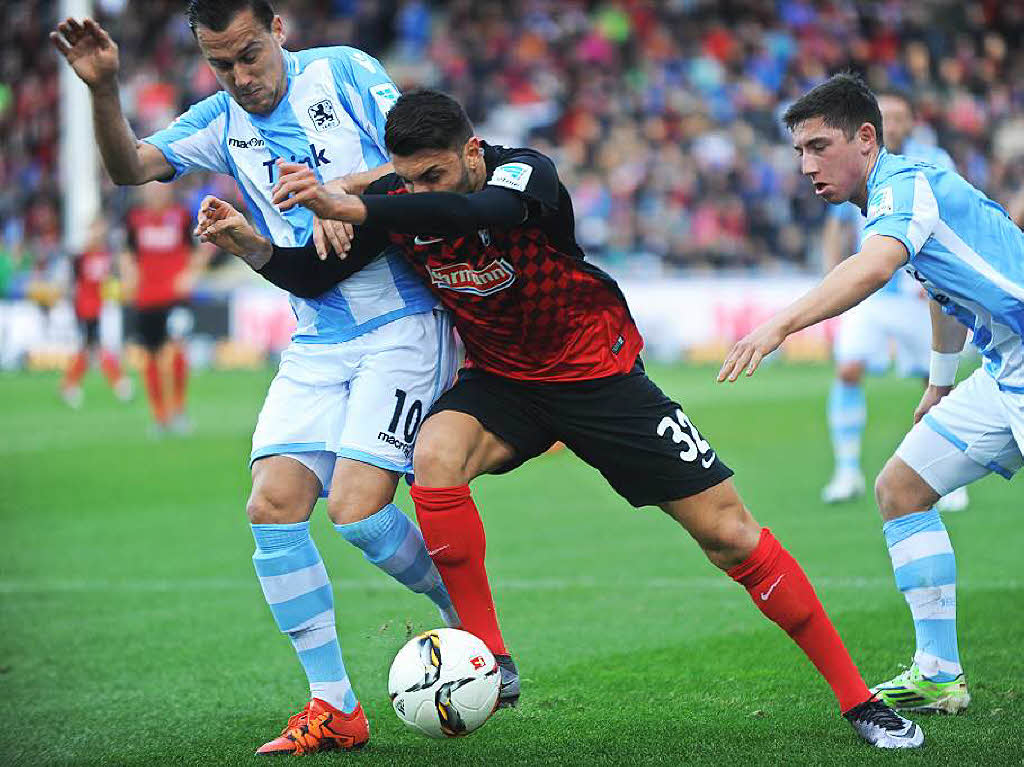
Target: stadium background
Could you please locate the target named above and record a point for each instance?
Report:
(663, 120)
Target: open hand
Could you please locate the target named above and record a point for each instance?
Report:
(747, 353)
(89, 50)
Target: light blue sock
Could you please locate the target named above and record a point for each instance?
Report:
(847, 416)
(297, 588)
(925, 569)
(389, 540)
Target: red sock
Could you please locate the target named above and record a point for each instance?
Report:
(111, 367)
(454, 536)
(179, 379)
(155, 389)
(76, 369)
(782, 592)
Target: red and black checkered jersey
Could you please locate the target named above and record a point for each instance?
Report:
(525, 302)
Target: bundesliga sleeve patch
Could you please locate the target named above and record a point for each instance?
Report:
(385, 95)
(512, 175)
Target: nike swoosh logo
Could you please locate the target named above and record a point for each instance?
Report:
(710, 460)
(432, 552)
(768, 593)
(417, 240)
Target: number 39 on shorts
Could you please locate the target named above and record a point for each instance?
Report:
(683, 432)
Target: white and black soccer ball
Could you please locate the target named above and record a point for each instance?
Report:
(444, 683)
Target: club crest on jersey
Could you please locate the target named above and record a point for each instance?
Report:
(323, 116)
(463, 278)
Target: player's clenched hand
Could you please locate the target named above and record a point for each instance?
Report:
(930, 398)
(89, 50)
(747, 353)
(328, 234)
(226, 228)
(298, 185)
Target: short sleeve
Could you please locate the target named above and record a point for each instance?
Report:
(362, 82)
(903, 207)
(195, 141)
(847, 213)
(532, 175)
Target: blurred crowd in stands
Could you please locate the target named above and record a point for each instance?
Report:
(662, 115)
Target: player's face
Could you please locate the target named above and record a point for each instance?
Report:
(836, 165)
(440, 170)
(897, 122)
(247, 60)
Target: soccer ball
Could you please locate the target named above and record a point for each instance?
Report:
(444, 683)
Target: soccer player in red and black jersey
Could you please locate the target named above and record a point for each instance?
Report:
(552, 354)
(160, 265)
(92, 267)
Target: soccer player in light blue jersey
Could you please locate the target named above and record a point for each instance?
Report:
(896, 315)
(369, 356)
(969, 255)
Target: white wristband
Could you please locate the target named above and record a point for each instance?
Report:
(942, 370)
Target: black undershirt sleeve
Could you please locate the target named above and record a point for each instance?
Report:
(445, 214)
(301, 272)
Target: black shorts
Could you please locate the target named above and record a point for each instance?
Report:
(152, 326)
(90, 330)
(624, 426)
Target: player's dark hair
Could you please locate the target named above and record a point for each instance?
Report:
(426, 119)
(844, 101)
(217, 14)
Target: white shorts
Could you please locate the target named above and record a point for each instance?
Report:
(974, 430)
(362, 399)
(883, 327)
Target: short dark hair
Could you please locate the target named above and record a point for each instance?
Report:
(217, 14)
(426, 119)
(844, 101)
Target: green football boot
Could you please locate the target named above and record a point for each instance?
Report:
(911, 691)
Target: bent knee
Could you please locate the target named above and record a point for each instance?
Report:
(900, 490)
(269, 508)
(437, 463)
(731, 538)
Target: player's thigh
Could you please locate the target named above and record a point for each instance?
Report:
(402, 369)
(640, 440)
(358, 490)
(719, 522)
(284, 489)
(962, 438)
(483, 424)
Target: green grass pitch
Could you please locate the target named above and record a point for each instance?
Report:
(134, 631)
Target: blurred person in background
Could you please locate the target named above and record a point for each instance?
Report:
(93, 268)
(369, 356)
(896, 316)
(159, 268)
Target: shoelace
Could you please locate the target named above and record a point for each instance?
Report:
(876, 712)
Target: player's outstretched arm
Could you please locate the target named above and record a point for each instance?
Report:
(93, 56)
(948, 337)
(847, 285)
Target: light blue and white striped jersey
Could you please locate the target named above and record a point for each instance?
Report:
(850, 215)
(332, 118)
(964, 249)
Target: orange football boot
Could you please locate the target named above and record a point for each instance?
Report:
(320, 727)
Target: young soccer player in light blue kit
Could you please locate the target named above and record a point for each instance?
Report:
(368, 358)
(969, 255)
(896, 316)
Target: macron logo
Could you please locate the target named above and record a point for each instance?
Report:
(463, 278)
